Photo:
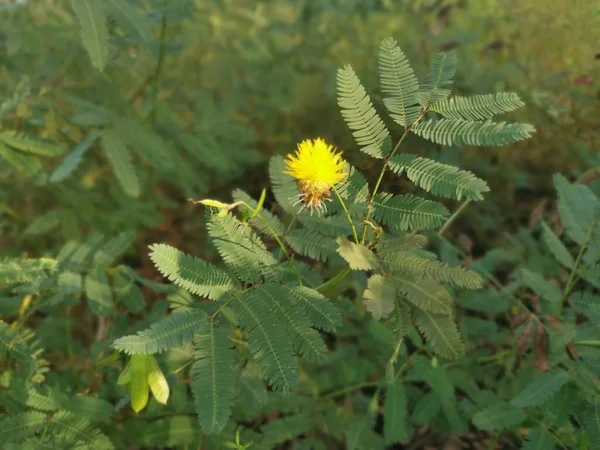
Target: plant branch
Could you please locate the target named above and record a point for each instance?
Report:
(354, 233)
(381, 174)
(453, 217)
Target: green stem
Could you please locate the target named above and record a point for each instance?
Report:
(276, 237)
(225, 303)
(572, 277)
(269, 227)
(339, 277)
(354, 233)
(588, 343)
(453, 217)
(352, 388)
(381, 174)
(153, 77)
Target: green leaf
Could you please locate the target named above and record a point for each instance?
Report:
(74, 158)
(407, 262)
(92, 18)
(435, 377)
(477, 107)
(398, 83)
(541, 390)
(539, 439)
(171, 432)
(440, 179)
(110, 252)
(127, 16)
(314, 245)
(395, 414)
(321, 312)
(426, 409)
(441, 332)
(20, 426)
(73, 430)
(31, 145)
(379, 296)
(17, 270)
(357, 110)
(213, 378)
(579, 209)
(357, 256)
(452, 132)
(138, 386)
(557, 248)
(147, 143)
(306, 341)
(498, 416)
(591, 424)
(119, 159)
(241, 249)
(157, 382)
(540, 285)
(36, 397)
(90, 408)
(270, 345)
(586, 303)
(192, 274)
(98, 293)
(439, 78)
(389, 245)
(285, 187)
(171, 332)
(408, 212)
(424, 293)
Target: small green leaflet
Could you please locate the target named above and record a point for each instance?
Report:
(379, 296)
(557, 248)
(357, 256)
(74, 158)
(94, 32)
(498, 417)
(541, 390)
(396, 427)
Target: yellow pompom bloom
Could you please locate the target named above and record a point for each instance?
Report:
(318, 168)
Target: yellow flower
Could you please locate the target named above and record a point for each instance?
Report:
(318, 168)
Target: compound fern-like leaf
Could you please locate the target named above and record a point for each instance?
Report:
(119, 158)
(94, 32)
(408, 212)
(320, 311)
(459, 132)
(440, 179)
(306, 341)
(359, 113)
(192, 274)
(441, 332)
(240, 248)
(172, 332)
(213, 378)
(20, 426)
(268, 342)
(477, 107)
(541, 390)
(439, 78)
(426, 294)
(398, 83)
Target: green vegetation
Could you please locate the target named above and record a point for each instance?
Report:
(169, 280)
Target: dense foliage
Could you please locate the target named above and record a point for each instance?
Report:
(424, 307)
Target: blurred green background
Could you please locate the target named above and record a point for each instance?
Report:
(204, 92)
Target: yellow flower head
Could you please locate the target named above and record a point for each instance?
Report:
(318, 168)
